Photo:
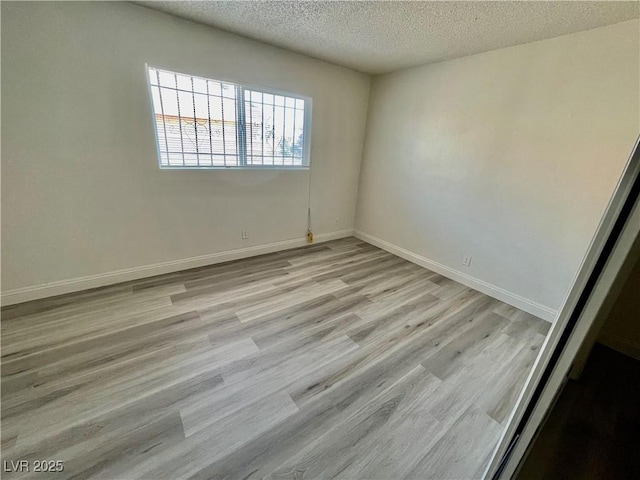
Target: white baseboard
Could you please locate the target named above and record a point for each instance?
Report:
(19, 295)
(501, 294)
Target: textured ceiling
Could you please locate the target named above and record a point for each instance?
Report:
(378, 37)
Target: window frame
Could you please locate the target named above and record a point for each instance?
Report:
(241, 134)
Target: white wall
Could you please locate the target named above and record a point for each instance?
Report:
(82, 194)
(509, 156)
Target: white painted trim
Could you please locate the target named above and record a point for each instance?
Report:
(19, 295)
(529, 306)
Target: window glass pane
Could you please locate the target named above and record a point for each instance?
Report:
(298, 144)
(255, 96)
(187, 125)
(219, 161)
(202, 106)
(155, 96)
(167, 79)
(197, 123)
(228, 90)
(186, 104)
(289, 132)
(153, 76)
(278, 122)
(175, 159)
(184, 82)
(190, 159)
(205, 160)
(169, 101)
(214, 88)
(199, 85)
(228, 127)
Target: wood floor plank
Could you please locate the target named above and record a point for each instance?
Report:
(340, 446)
(466, 384)
(209, 444)
(404, 349)
(462, 450)
(116, 389)
(280, 302)
(337, 360)
(499, 399)
(262, 378)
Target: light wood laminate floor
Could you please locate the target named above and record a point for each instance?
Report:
(338, 360)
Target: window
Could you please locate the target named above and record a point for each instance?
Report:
(204, 123)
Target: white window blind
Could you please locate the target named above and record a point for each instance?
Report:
(205, 123)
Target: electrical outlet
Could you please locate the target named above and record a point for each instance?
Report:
(337, 220)
(466, 261)
(245, 234)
